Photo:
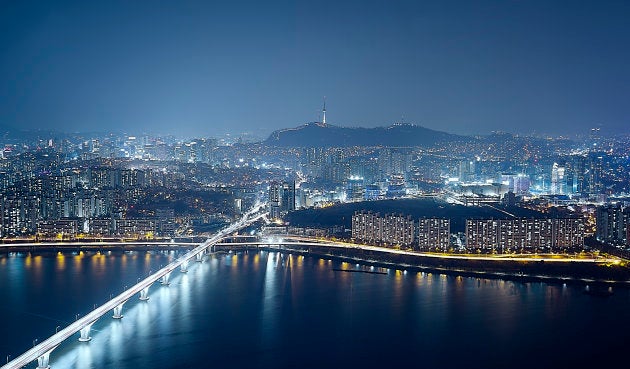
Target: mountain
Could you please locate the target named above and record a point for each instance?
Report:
(318, 134)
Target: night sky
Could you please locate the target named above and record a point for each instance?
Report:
(204, 68)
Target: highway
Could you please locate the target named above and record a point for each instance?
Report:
(45, 347)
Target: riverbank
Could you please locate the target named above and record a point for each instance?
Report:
(95, 246)
(527, 270)
(564, 270)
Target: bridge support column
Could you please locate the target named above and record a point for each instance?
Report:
(200, 256)
(184, 267)
(118, 311)
(144, 294)
(43, 362)
(165, 279)
(85, 333)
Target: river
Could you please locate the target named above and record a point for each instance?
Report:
(270, 310)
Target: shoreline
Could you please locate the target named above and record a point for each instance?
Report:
(561, 271)
(531, 271)
(7, 248)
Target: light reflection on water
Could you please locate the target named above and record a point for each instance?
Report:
(271, 310)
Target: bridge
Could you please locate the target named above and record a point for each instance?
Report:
(41, 352)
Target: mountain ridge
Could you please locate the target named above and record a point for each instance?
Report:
(327, 135)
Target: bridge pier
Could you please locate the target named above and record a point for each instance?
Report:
(199, 256)
(85, 333)
(118, 311)
(43, 362)
(165, 278)
(144, 294)
(184, 267)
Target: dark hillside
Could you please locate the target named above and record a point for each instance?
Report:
(417, 208)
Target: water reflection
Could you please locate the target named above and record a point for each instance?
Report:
(84, 357)
(60, 264)
(271, 310)
(269, 299)
(77, 259)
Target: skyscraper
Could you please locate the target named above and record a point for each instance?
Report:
(281, 198)
(558, 183)
(613, 224)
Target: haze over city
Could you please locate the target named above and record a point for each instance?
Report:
(322, 184)
(205, 68)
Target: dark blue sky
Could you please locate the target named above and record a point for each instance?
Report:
(210, 67)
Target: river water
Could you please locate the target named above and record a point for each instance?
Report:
(270, 310)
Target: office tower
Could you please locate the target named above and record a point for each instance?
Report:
(281, 198)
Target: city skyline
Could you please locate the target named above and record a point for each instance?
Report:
(210, 69)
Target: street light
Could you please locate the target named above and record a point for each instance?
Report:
(34, 341)
(76, 317)
(8, 356)
(57, 328)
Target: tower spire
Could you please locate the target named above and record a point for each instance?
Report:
(324, 112)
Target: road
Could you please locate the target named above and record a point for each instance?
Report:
(308, 241)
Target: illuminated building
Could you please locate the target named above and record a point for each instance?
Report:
(355, 191)
(613, 224)
(281, 198)
(433, 233)
(388, 230)
(58, 227)
(524, 234)
(558, 182)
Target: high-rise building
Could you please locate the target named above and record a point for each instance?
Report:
(613, 224)
(130, 178)
(593, 173)
(433, 233)
(355, 191)
(399, 230)
(517, 183)
(18, 215)
(395, 161)
(558, 183)
(389, 230)
(524, 234)
(574, 173)
(312, 161)
(281, 198)
(466, 170)
(367, 226)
